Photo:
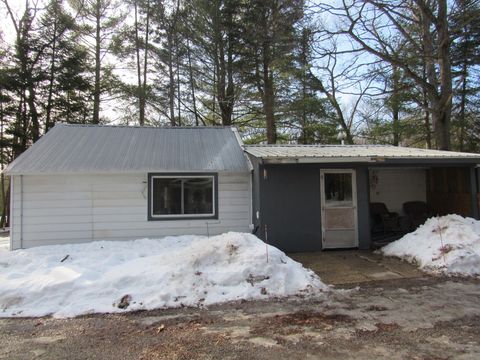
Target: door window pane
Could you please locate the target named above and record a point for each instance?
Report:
(338, 189)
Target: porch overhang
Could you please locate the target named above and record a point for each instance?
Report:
(357, 154)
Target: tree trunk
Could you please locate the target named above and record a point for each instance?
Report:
(48, 121)
(395, 106)
(225, 86)
(443, 112)
(96, 91)
(143, 98)
(33, 111)
(463, 93)
(230, 91)
(141, 112)
(440, 94)
(177, 65)
(269, 104)
(192, 82)
(171, 82)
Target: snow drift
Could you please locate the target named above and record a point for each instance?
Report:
(107, 276)
(449, 245)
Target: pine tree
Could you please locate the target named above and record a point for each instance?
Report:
(268, 39)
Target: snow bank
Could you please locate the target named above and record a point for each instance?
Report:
(69, 280)
(448, 245)
(4, 244)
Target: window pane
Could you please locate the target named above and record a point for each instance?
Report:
(198, 196)
(167, 196)
(338, 190)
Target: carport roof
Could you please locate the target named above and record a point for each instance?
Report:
(353, 153)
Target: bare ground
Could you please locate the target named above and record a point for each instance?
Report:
(419, 318)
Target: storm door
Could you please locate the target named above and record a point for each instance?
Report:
(339, 208)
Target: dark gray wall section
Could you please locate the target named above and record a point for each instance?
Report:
(363, 208)
(290, 207)
(473, 192)
(257, 169)
(478, 178)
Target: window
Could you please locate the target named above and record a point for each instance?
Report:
(338, 189)
(191, 196)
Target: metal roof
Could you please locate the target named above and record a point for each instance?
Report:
(351, 153)
(117, 149)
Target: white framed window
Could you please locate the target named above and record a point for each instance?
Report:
(182, 196)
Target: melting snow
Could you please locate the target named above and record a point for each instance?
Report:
(107, 276)
(448, 244)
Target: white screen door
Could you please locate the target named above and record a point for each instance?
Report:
(339, 208)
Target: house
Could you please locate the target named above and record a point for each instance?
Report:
(81, 183)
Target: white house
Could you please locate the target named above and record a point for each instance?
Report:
(81, 183)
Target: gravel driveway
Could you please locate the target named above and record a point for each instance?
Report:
(416, 318)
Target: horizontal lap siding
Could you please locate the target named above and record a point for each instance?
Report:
(63, 209)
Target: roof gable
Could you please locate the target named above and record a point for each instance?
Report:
(118, 149)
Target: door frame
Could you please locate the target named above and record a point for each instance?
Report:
(322, 203)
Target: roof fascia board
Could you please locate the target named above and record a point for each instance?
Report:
(316, 160)
(130, 172)
(371, 160)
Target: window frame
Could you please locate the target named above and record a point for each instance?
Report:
(213, 215)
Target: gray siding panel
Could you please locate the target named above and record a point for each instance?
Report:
(80, 208)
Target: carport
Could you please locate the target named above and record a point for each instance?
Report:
(315, 197)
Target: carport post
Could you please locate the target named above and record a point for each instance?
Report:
(363, 208)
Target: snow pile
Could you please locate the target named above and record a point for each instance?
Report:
(4, 245)
(448, 245)
(107, 276)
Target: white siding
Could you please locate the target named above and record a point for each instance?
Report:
(59, 209)
(397, 186)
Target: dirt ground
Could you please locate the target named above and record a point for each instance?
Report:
(414, 318)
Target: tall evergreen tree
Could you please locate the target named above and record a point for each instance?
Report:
(100, 19)
(268, 40)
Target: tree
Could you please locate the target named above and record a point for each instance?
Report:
(268, 37)
(66, 87)
(100, 19)
(308, 112)
(465, 21)
(132, 43)
(374, 25)
(167, 58)
(340, 75)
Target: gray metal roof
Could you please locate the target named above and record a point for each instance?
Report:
(117, 149)
(351, 153)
